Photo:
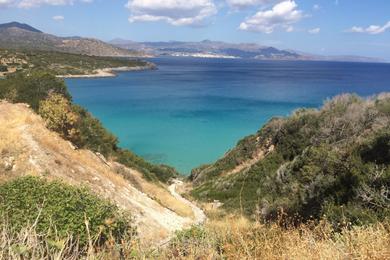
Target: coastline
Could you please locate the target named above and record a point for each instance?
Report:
(109, 72)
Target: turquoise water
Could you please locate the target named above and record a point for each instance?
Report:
(191, 111)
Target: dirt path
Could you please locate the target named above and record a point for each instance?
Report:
(199, 215)
(249, 163)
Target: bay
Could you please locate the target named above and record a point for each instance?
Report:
(192, 110)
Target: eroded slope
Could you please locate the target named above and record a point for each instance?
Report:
(27, 147)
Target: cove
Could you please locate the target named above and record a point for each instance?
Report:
(192, 110)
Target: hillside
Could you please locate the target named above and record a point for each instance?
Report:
(331, 163)
(21, 36)
(27, 147)
(66, 64)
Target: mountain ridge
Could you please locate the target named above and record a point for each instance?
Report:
(219, 49)
(23, 26)
(16, 35)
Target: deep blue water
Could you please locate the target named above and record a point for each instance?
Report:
(191, 111)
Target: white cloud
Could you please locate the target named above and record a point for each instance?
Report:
(240, 4)
(175, 12)
(58, 18)
(282, 15)
(316, 7)
(36, 3)
(6, 3)
(314, 31)
(372, 29)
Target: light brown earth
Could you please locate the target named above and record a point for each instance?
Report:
(27, 147)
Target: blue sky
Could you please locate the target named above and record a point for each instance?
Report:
(329, 27)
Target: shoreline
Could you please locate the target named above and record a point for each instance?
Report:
(109, 72)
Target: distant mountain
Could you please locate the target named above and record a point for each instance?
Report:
(22, 26)
(220, 49)
(22, 36)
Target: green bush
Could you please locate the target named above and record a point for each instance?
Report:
(93, 135)
(150, 171)
(377, 150)
(61, 210)
(187, 239)
(31, 88)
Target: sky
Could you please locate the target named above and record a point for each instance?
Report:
(326, 27)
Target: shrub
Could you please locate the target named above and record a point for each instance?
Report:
(150, 171)
(377, 150)
(60, 210)
(234, 238)
(383, 105)
(59, 117)
(92, 133)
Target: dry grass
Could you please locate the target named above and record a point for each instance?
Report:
(228, 238)
(29, 244)
(11, 148)
(162, 195)
(238, 238)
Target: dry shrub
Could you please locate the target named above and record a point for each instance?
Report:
(228, 238)
(57, 112)
(238, 238)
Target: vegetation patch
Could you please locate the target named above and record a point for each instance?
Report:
(59, 210)
(235, 237)
(60, 63)
(331, 163)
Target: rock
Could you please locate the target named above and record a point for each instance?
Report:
(102, 158)
(72, 146)
(9, 163)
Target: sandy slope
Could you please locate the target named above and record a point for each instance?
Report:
(199, 215)
(28, 147)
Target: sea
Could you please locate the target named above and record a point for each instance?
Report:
(191, 111)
